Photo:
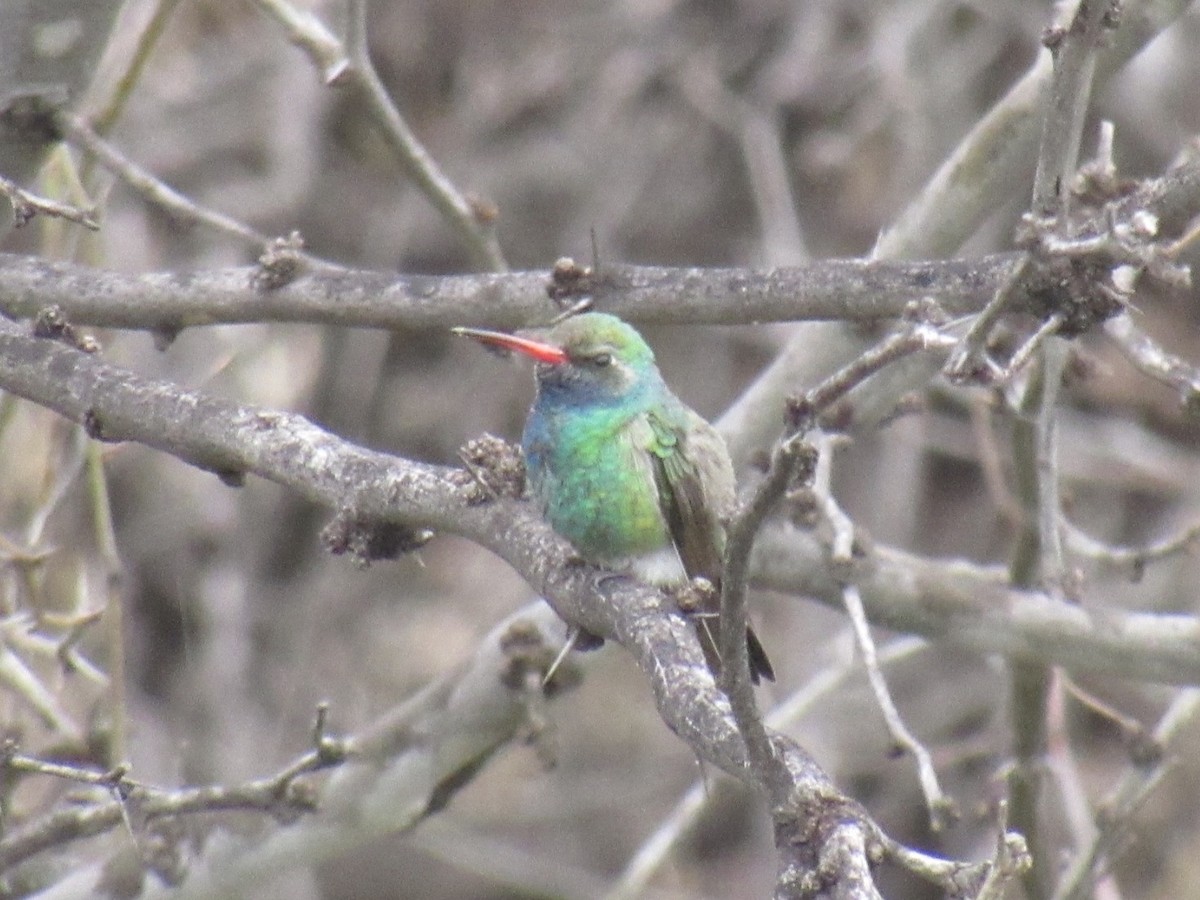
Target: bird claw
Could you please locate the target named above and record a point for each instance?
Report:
(696, 596)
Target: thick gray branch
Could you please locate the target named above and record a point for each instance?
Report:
(169, 301)
(975, 608)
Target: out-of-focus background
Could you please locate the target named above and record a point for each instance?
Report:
(759, 132)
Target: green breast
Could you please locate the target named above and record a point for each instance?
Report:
(596, 484)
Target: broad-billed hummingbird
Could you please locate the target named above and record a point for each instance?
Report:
(632, 477)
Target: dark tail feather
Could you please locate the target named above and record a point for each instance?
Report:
(760, 667)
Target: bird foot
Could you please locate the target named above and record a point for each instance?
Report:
(696, 596)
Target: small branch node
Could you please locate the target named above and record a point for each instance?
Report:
(366, 540)
(571, 282)
(280, 263)
(26, 205)
(495, 469)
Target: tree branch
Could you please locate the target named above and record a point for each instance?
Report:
(973, 607)
(401, 769)
(170, 301)
(996, 153)
(350, 67)
(234, 440)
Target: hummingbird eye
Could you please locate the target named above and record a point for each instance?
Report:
(600, 360)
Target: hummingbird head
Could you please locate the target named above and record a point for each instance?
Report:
(592, 358)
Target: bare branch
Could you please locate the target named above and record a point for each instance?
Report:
(274, 796)
(963, 193)
(234, 440)
(26, 205)
(831, 289)
(793, 462)
(1152, 360)
(1037, 556)
(974, 607)
(1120, 804)
(1074, 50)
(389, 777)
(1133, 560)
(152, 189)
(941, 808)
(351, 68)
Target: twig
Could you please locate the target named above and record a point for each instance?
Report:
(656, 849)
(1025, 352)
(1036, 478)
(804, 411)
(1185, 240)
(995, 153)
(115, 779)
(69, 465)
(1133, 560)
(67, 651)
(1074, 50)
(26, 205)
(970, 361)
(104, 118)
(1119, 806)
(1038, 552)
(942, 809)
(916, 338)
(978, 880)
(273, 795)
(20, 635)
(990, 463)
(349, 66)
(1152, 360)
(788, 460)
(1052, 563)
(151, 188)
(105, 537)
(1010, 860)
(1063, 767)
(792, 461)
(1133, 733)
(842, 544)
(22, 683)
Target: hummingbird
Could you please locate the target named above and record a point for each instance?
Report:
(635, 479)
